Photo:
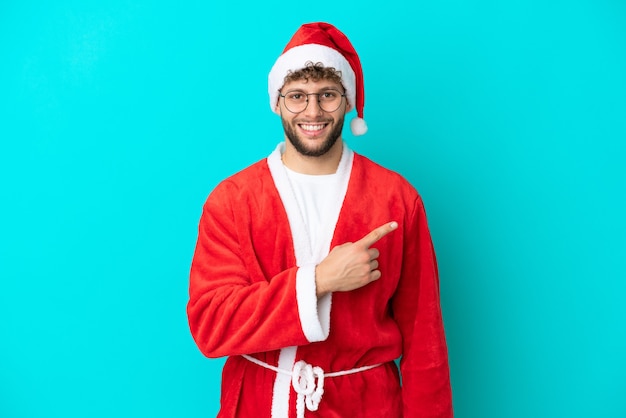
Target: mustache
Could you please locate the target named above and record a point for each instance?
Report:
(312, 121)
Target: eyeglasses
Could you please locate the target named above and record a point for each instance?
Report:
(329, 100)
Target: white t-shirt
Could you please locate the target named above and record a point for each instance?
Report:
(319, 204)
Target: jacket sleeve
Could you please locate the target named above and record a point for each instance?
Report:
(424, 367)
(233, 308)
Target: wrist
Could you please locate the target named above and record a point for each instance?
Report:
(320, 289)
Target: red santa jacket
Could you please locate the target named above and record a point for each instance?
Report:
(252, 292)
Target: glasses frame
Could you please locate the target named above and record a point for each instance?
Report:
(343, 95)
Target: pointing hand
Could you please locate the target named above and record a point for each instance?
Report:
(351, 265)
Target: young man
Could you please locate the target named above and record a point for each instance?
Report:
(314, 268)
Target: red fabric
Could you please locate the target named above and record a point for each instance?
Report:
(243, 300)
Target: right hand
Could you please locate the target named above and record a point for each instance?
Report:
(351, 265)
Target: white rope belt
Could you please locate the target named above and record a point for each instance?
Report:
(303, 380)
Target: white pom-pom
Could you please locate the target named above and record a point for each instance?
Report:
(358, 126)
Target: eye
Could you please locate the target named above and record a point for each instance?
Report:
(329, 95)
(296, 95)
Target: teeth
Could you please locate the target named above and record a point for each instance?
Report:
(312, 127)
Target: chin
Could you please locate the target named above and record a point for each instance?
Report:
(322, 144)
(321, 149)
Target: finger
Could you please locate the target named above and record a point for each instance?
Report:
(373, 265)
(373, 253)
(377, 234)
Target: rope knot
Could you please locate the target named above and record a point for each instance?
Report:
(308, 382)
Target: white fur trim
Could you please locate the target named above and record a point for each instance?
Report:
(299, 234)
(358, 126)
(282, 383)
(314, 313)
(297, 57)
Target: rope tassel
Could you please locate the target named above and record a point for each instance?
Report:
(308, 382)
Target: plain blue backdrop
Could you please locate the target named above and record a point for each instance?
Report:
(117, 118)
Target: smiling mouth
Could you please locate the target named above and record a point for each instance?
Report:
(312, 128)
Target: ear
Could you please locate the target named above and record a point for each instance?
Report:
(349, 106)
(277, 106)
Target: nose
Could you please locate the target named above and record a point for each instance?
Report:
(313, 105)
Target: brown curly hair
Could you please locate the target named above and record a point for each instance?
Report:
(315, 72)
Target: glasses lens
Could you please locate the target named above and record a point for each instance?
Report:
(330, 100)
(295, 101)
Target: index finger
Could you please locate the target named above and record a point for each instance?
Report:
(371, 238)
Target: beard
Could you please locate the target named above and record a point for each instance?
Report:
(301, 146)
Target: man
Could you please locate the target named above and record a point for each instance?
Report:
(314, 268)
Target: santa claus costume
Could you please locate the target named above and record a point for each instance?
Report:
(252, 286)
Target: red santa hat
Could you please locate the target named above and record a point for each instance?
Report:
(322, 42)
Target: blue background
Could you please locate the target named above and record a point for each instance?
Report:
(117, 118)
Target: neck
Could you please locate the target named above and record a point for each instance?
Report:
(324, 164)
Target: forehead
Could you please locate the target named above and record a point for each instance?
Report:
(309, 85)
